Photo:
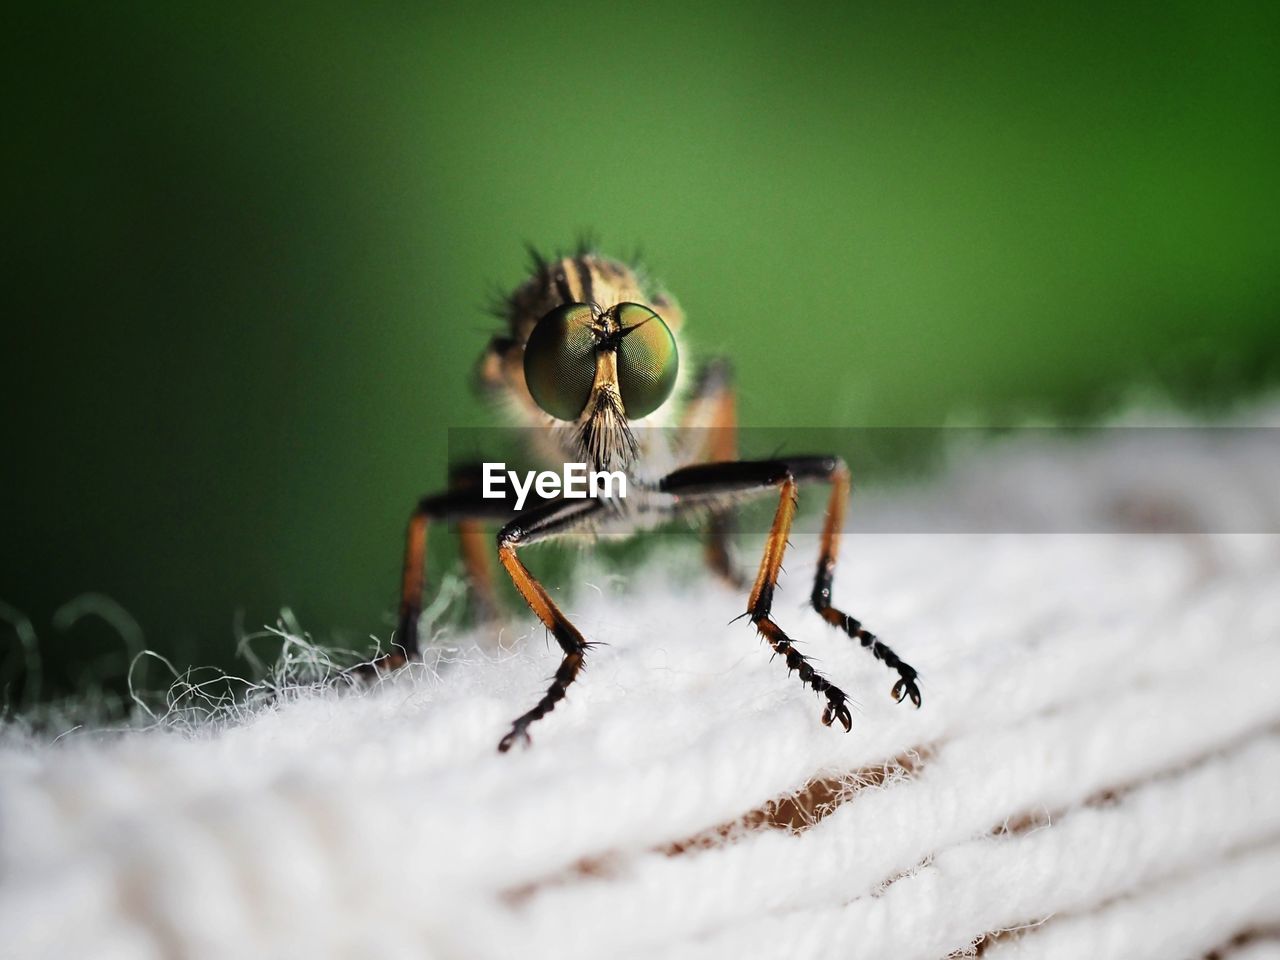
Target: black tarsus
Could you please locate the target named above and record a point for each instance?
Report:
(820, 599)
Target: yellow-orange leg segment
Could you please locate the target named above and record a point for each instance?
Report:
(412, 575)
(470, 509)
(478, 563)
(712, 415)
(760, 604)
(723, 448)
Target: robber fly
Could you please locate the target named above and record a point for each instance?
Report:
(591, 359)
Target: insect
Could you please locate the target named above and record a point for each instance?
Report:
(591, 360)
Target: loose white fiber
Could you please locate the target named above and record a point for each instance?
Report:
(1095, 771)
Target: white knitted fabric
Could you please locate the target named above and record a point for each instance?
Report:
(1095, 771)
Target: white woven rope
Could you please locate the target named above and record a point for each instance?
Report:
(1046, 762)
(1095, 771)
(1267, 948)
(1088, 857)
(1183, 917)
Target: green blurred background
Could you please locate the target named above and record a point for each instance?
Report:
(248, 251)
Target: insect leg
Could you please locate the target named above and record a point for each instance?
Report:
(478, 564)
(465, 505)
(474, 545)
(550, 520)
(835, 472)
(745, 476)
(712, 418)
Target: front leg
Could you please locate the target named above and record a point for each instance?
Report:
(553, 519)
(744, 477)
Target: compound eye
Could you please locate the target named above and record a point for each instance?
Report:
(560, 361)
(647, 360)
